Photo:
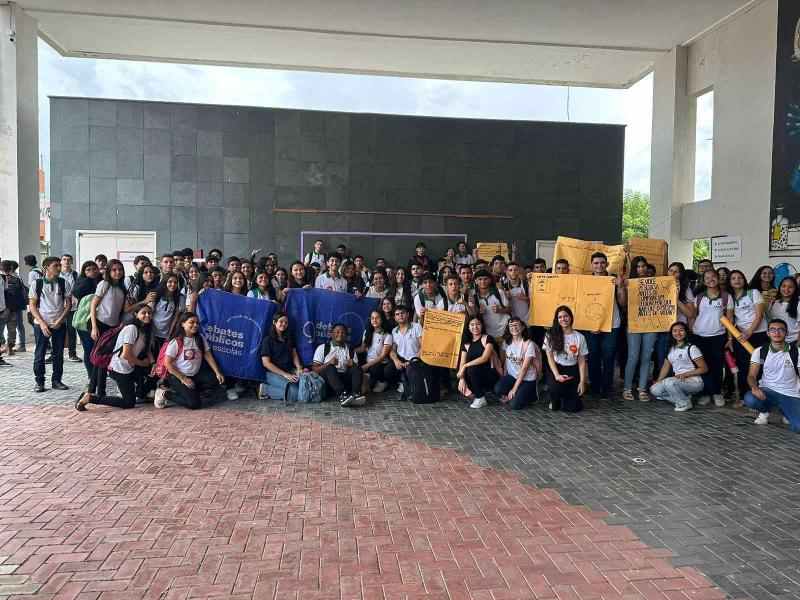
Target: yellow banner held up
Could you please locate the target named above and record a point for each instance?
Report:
(655, 251)
(441, 338)
(652, 304)
(488, 250)
(591, 299)
(579, 254)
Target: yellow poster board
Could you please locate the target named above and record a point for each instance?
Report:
(590, 298)
(488, 250)
(655, 251)
(441, 338)
(652, 304)
(579, 254)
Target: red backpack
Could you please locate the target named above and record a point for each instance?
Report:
(160, 370)
(103, 349)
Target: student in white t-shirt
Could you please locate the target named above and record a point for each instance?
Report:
(712, 303)
(522, 363)
(50, 305)
(686, 311)
(748, 311)
(317, 255)
(130, 364)
(194, 378)
(516, 287)
(492, 303)
(566, 351)
(406, 342)
(331, 279)
(779, 385)
(377, 344)
(687, 364)
(428, 297)
(785, 307)
(335, 362)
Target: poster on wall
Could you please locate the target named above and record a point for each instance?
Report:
(784, 218)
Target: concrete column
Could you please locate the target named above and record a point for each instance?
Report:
(672, 154)
(19, 134)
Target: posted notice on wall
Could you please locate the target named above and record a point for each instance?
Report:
(488, 250)
(726, 248)
(441, 338)
(579, 254)
(591, 299)
(652, 304)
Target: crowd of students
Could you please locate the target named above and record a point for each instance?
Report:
(696, 362)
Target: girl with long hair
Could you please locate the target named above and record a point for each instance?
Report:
(476, 373)
(86, 285)
(400, 289)
(280, 359)
(748, 311)
(686, 310)
(387, 308)
(566, 351)
(785, 307)
(262, 290)
(236, 284)
(686, 362)
(522, 363)
(640, 346)
(762, 281)
(377, 343)
(712, 304)
(168, 305)
(105, 313)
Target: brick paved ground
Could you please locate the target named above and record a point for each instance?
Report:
(254, 499)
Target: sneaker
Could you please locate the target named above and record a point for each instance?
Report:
(627, 394)
(380, 387)
(359, 400)
(4, 363)
(74, 358)
(703, 400)
(48, 360)
(719, 401)
(57, 385)
(785, 421)
(762, 419)
(683, 407)
(38, 388)
(232, 394)
(160, 398)
(400, 388)
(478, 403)
(346, 399)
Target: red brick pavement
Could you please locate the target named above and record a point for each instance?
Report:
(170, 505)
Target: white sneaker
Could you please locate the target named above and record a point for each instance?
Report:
(151, 394)
(478, 403)
(380, 387)
(719, 401)
(359, 400)
(683, 407)
(703, 400)
(346, 399)
(160, 398)
(400, 388)
(762, 419)
(231, 394)
(785, 420)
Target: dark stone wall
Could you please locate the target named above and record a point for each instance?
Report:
(205, 176)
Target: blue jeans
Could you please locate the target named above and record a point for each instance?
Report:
(88, 343)
(640, 349)
(677, 391)
(602, 351)
(275, 386)
(525, 394)
(56, 339)
(788, 405)
(21, 326)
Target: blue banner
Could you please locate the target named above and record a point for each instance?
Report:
(234, 327)
(313, 312)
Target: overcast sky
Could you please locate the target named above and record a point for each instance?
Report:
(353, 93)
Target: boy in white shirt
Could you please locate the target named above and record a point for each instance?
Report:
(334, 361)
(406, 342)
(331, 280)
(50, 304)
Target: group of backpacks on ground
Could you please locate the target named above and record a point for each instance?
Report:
(142, 331)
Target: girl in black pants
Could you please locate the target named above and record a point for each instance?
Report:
(748, 310)
(377, 345)
(566, 351)
(477, 374)
(105, 313)
(130, 364)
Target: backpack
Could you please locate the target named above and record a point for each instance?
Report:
(82, 316)
(103, 349)
(310, 389)
(39, 283)
(160, 369)
(420, 388)
(794, 354)
(15, 296)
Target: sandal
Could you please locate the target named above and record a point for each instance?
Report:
(644, 396)
(80, 406)
(627, 395)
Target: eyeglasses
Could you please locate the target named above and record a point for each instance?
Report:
(776, 330)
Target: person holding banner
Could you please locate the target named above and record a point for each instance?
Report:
(455, 300)
(640, 345)
(516, 287)
(280, 359)
(427, 297)
(561, 267)
(377, 343)
(748, 311)
(712, 304)
(522, 363)
(785, 307)
(566, 351)
(477, 375)
(687, 364)
(263, 289)
(779, 386)
(334, 361)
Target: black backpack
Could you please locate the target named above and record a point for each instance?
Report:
(793, 355)
(39, 286)
(16, 298)
(421, 387)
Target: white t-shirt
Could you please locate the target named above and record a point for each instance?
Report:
(111, 303)
(779, 310)
(69, 279)
(466, 259)
(495, 322)
(407, 344)
(163, 314)
(520, 306)
(516, 353)
(574, 346)
(379, 341)
(373, 293)
(33, 276)
(191, 359)
(744, 309)
(778, 372)
(689, 300)
(128, 335)
(334, 284)
(681, 358)
(315, 257)
(707, 324)
(459, 305)
(51, 302)
(437, 303)
(342, 354)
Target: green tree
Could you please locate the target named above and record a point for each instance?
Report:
(700, 249)
(635, 215)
